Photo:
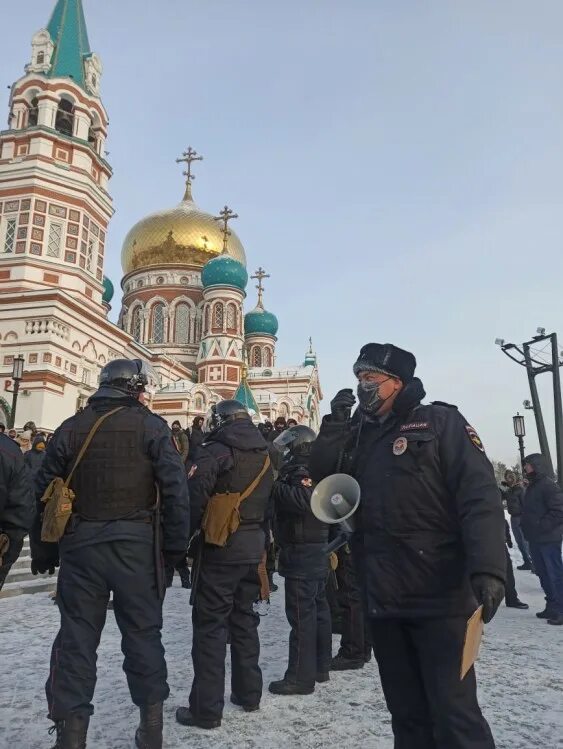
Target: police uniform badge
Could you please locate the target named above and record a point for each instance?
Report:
(474, 437)
(400, 446)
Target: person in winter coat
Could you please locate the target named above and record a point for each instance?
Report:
(429, 543)
(303, 563)
(196, 436)
(514, 496)
(232, 459)
(16, 504)
(34, 457)
(181, 441)
(542, 524)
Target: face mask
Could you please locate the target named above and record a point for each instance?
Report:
(368, 396)
(176, 429)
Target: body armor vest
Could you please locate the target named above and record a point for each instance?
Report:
(115, 478)
(248, 465)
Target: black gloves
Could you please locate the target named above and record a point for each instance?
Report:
(341, 405)
(47, 562)
(489, 591)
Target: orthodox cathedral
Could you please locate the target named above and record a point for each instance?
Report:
(185, 276)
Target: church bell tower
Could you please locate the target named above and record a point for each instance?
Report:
(54, 199)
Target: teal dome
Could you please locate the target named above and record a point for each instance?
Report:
(109, 291)
(224, 271)
(260, 321)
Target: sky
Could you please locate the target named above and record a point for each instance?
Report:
(397, 167)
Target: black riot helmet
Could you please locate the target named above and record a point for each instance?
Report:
(297, 440)
(222, 413)
(129, 376)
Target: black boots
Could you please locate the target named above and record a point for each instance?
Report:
(246, 707)
(286, 687)
(149, 732)
(71, 732)
(516, 603)
(341, 663)
(186, 718)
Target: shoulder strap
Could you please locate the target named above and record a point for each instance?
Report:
(247, 492)
(88, 440)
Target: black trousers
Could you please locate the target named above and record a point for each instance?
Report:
(355, 642)
(310, 638)
(223, 606)
(510, 587)
(10, 558)
(419, 664)
(87, 576)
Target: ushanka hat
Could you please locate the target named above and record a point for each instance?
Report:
(387, 359)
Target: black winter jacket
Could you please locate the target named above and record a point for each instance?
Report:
(167, 472)
(542, 512)
(34, 460)
(302, 538)
(229, 450)
(16, 493)
(429, 515)
(514, 496)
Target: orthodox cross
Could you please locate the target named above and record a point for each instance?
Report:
(225, 216)
(260, 275)
(188, 157)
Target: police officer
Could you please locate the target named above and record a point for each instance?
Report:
(112, 543)
(429, 544)
(303, 563)
(233, 458)
(16, 503)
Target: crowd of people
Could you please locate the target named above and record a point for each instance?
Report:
(119, 502)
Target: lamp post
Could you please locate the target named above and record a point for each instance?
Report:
(520, 433)
(17, 375)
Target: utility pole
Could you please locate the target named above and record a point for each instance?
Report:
(523, 355)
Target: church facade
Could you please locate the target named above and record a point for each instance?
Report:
(185, 277)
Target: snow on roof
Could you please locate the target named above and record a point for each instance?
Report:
(280, 373)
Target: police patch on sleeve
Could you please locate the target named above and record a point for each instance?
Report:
(474, 437)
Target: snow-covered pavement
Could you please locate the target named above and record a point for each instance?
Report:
(520, 675)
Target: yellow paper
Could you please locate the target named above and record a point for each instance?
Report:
(472, 641)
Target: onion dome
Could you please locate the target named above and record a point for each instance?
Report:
(224, 271)
(184, 235)
(260, 322)
(108, 292)
(310, 356)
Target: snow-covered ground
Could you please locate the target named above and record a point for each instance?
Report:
(520, 675)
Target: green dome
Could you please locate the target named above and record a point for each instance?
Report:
(109, 291)
(260, 321)
(224, 271)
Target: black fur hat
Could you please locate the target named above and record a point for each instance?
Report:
(387, 359)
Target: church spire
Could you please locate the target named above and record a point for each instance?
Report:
(67, 29)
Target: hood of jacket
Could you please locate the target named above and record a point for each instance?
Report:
(540, 465)
(240, 434)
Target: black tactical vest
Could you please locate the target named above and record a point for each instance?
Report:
(248, 465)
(115, 477)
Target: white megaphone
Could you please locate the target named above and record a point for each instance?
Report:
(335, 499)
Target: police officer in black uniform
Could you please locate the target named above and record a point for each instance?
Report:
(226, 582)
(429, 544)
(109, 545)
(303, 562)
(16, 503)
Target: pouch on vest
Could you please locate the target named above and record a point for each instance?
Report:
(221, 517)
(58, 496)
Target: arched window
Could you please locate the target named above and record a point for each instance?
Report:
(158, 323)
(64, 121)
(206, 326)
(33, 114)
(231, 317)
(182, 324)
(256, 356)
(218, 315)
(40, 58)
(268, 357)
(199, 403)
(136, 324)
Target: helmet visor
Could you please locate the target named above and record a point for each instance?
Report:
(148, 378)
(210, 421)
(284, 440)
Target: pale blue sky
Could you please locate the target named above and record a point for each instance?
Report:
(397, 167)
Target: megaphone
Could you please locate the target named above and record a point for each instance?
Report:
(335, 499)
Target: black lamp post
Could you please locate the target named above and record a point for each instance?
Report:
(520, 433)
(17, 376)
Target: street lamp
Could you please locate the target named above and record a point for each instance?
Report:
(17, 376)
(520, 433)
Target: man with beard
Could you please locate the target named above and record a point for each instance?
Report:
(429, 543)
(230, 486)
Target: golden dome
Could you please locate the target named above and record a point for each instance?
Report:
(184, 235)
